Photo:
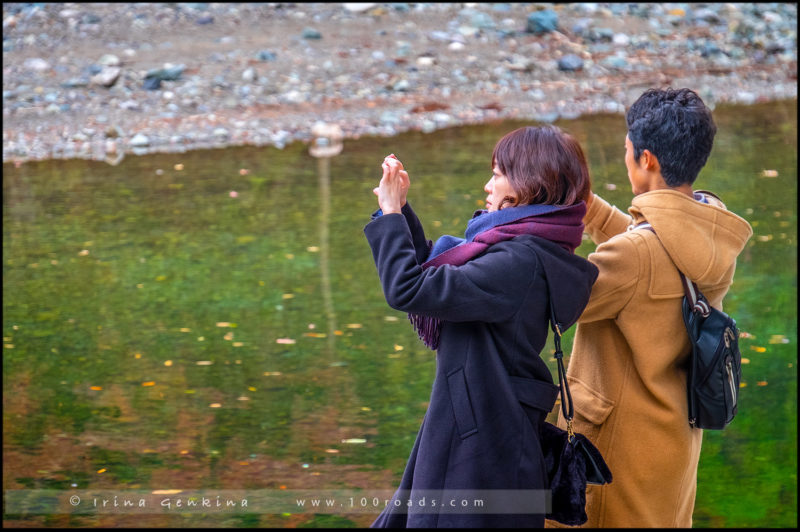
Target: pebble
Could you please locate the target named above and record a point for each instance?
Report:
(378, 63)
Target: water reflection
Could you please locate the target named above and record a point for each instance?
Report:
(111, 272)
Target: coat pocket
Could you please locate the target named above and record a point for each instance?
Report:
(591, 409)
(462, 406)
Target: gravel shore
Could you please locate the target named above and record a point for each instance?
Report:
(103, 80)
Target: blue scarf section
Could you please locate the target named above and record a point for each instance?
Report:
(483, 220)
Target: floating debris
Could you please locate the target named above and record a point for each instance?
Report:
(354, 440)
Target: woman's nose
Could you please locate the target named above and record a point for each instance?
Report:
(488, 186)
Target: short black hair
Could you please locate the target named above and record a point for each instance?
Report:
(676, 126)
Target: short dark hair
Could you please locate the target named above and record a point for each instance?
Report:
(675, 126)
(544, 165)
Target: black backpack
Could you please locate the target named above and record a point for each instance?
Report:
(715, 363)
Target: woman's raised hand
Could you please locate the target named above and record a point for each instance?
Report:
(393, 187)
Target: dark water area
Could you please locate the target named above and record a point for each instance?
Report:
(213, 321)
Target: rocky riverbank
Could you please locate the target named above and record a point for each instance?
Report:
(103, 80)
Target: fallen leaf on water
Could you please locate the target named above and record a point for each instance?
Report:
(390, 318)
(204, 362)
(185, 329)
(149, 383)
(289, 256)
(315, 335)
(312, 249)
(761, 383)
(223, 324)
(184, 452)
(251, 388)
(764, 238)
(201, 338)
(214, 405)
(282, 487)
(758, 348)
(149, 451)
(178, 167)
(398, 347)
(338, 332)
(286, 341)
(96, 388)
(745, 360)
(83, 253)
(168, 363)
(354, 440)
(332, 451)
(778, 339)
(137, 355)
(243, 398)
(769, 173)
(272, 373)
(244, 463)
(287, 296)
(238, 344)
(742, 384)
(366, 409)
(228, 336)
(101, 470)
(353, 326)
(394, 355)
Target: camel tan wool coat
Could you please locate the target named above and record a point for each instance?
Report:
(627, 370)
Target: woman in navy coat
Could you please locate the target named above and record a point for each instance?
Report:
(484, 303)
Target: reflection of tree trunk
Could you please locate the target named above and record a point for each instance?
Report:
(323, 164)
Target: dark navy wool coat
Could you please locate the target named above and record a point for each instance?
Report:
(492, 390)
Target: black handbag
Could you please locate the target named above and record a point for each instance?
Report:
(571, 460)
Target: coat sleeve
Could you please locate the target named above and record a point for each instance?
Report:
(489, 288)
(422, 246)
(603, 220)
(619, 272)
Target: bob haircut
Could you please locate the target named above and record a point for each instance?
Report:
(544, 165)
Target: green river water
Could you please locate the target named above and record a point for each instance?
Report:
(212, 320)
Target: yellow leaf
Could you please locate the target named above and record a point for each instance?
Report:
(101, 470)
(229, 336)
(778, 339)
(148, 383)
(398, 347)
(742, 384)
(288, 296)
(286, 341)
(366, 409)
(758, 349)
(83, 253)
(332, 451)
(338, 332)
(272, 373)
(315, 335)
(251, 388)
(204, 362)
(244, 463)
(243, 398)
(290, 256)
(214, 405)
(743, 334)
(161, 278)
(178, 167)
(312, 249)
(745, 360)
(353, 325)
(390, 318)
(223, 324)
(185, 329)
(96, 388)
(761, 383)
(8, 346)
(238, 344)
(184, 452)
(137, 355)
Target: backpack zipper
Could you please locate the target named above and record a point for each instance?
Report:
(730, 381)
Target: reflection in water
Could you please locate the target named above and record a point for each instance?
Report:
(327, 143)
(143, 304)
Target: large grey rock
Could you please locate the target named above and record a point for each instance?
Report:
(543, 21)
